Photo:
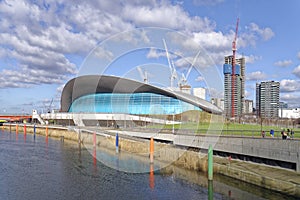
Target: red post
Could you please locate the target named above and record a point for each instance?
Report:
(94, 139)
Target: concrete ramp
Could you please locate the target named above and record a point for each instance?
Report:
(35, 115)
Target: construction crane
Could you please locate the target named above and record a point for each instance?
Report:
(233, 69)
(143, 74)
(171, 66)
(183, 80)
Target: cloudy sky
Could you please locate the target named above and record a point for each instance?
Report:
(43, 44)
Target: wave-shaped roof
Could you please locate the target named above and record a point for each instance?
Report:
(92, 84)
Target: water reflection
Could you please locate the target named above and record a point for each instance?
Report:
(95, 157)
(151, 177)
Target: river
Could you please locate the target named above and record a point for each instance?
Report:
(48, 168)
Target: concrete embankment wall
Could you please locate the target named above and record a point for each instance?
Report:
(284, 151)
(171, 154)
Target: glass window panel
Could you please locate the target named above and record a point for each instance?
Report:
(136, 103)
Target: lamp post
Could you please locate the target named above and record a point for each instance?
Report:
(173, 124)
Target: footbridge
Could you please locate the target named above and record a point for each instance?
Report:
(14, 117)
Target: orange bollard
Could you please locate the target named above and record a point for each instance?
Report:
(151, 150)
(17, 128)
(46, 131)
(24, 129)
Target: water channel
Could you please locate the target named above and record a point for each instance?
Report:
(48, 168)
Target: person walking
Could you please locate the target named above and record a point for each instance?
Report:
(272, 133)
(263, 134)
(292, 134)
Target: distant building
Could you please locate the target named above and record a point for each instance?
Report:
(185, 89)
(248, 106)
(200, 92)
(291, 113)
(219, 102)
(239, 87)
(282, 105)
(267, 99)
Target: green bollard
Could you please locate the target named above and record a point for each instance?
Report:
(210, 163)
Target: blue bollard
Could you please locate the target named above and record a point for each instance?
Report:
(34, 131)
(117, 143)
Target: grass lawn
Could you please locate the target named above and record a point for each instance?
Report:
(232, 129)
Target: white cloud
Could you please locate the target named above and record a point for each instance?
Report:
(166, 15)
(153, 53)
(213, 40)
(284, 63)
(252, 58)
(256, 76)
(199, 79)
(103, 53)
(60, 88)
(296, 71)
(201, 62)
(43, 38)
(253, 34)
(247, 94)
(213, 92)
(265, 33)
(293, 99)
(288, 85)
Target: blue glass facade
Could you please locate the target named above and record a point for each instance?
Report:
(227, 69)
(135, 103)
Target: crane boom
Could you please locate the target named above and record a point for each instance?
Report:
(233, 70)
(167, 54)
(171, 66)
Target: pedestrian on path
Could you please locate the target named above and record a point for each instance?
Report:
(272, 133)
(263, 134)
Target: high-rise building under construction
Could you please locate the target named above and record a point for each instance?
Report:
(234, 92)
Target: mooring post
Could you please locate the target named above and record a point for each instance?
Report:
(117, 143)
(46, 131)
(24, 127)
(151, 150)
(17, 128)
(94, 139)
(34, 131)
(210, 163)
